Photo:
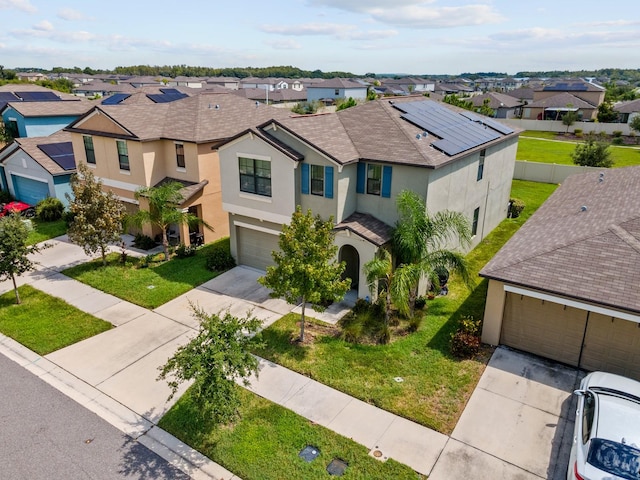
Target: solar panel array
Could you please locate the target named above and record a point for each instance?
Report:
(61, 153)
(38, 96)
(166, 97)
(567, 87)
(457, 132)
(505, 130)
(115, 99)
(171, 91)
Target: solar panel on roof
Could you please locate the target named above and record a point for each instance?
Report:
(457, 133)
(566, 87)
(8, 97)
(38, 96)
(489, 122)
(61, 153)
(165, 98)
(171, 91)
(115, 99)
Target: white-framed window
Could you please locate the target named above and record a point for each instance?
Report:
(89, 150)
(180, 155)
(123, 155)
(255, 176)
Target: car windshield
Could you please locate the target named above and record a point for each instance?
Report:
(615, 458)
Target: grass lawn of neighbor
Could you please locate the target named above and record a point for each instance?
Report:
(44, 323)
(436, 385)
(42, 231)
(148, 286)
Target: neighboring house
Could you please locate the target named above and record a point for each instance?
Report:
(286, 95)
(409, 84)
(587, 91)
(232, 83)
(331, 90)
(556, 106)
(35, 168)
(30, 76)
(566, 286)
(523, 94)
(101, 89)
(149, 95)
(453, 89)
(182, 81)
(351, 165)
(503, 105)
(627, 110)
(144, 145)
(270, 84)
(41, 118)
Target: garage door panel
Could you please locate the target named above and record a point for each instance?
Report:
(544, 328)
(612, 345)
(255, 247)
(30, 191)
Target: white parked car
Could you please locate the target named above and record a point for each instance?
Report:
(606, 441)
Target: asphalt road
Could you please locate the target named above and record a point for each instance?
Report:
(46, 435)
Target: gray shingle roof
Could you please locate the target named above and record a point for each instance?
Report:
(631, 106)
(592, 253)
(51, 109)
(560, 101)
(30, 146)
(367, 227)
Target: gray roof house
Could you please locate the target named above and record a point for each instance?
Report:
(335, 88)
(627, 110)
(352, 164)
(504, 105)
(567, 285)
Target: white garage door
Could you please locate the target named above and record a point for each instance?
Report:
(30, 191)
(557, 331)
(255, 247)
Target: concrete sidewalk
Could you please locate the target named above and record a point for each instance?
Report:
(115, 373)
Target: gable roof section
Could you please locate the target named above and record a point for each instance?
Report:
(367, 227)
(31, 146)
(337, 83)
(632, 106)
(496, 100)
(561, 101)
(591, 253)
(50, 108)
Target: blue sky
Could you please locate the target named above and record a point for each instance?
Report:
(359, 36)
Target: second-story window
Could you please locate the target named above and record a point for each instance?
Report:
(180, 155)
(474, 224)
(89, 151)
(123, 155)
(483, 153)
(374, 177)
(255, 176)
(317, 180)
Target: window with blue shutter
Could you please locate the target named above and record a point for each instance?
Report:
(304, 180)
(386, 181)
(362, 177)
(328, 182)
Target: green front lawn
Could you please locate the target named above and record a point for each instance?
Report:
(151, 286)
(546, 151)
(435, 386)
(265, 442)
(45, 230)
(44, 323)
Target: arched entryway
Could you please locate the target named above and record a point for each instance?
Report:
(350, 256)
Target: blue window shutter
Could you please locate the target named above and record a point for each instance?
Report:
(328, 182)
(386, 181)
(362, 177)
(304, 181)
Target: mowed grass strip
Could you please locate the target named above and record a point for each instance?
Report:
(436, 386)
(550, 151)
(265, 442)
(42, 231)
(151, 286)
(44, 323)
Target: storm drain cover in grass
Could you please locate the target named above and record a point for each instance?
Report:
(309, 453)
(337, 467)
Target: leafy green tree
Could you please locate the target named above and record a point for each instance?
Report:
(592, 153)
(218, 355)
(305, 108)
(164, 210)
(306, 270)
(342, 104)
(569, 119)
(485, 109)
(634, 124)
(423, 241)
(606, 113)
(97, 216)
(14, 251)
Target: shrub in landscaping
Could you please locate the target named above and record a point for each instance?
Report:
(49, 209)
(617, 133)
(617, 141)
(578, 132)
(220, 259)
(421, 302)
(143, 242)
(184, 251)
(415, 322)
(352, 326)
(465, 342)
(516, 206)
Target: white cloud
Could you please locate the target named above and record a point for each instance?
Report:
(72, 14)
(23, 5)
(44, 26)
(418, 16)
(308, 29)
(360, 6)
(285, 44)
(56, 36)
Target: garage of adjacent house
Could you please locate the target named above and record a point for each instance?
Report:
(577, 337)
(254, 246)
(29, 190)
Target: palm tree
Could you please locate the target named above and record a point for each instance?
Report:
(164, 210)
(422, 241)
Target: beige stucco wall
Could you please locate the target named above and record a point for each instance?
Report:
(493, 313)
(366, 252)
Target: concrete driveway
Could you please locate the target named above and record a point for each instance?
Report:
(518, 424)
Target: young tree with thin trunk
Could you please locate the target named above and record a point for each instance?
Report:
(97, 216)
(306, 269)
(214, 359)
(164, 211)
(14, 251)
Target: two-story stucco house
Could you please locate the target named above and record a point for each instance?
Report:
(335, 88)
(352, 164)
(143, 145)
